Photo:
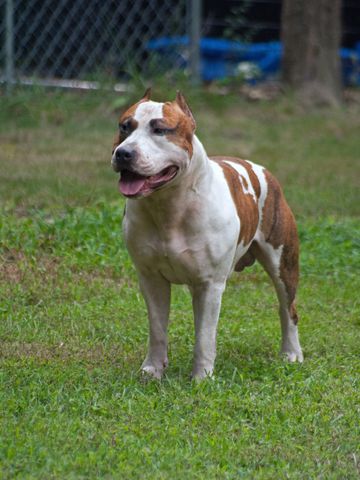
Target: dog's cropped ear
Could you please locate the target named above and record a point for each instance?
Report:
(180, 100)
(146, 96)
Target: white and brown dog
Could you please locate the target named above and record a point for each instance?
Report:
(193, 219)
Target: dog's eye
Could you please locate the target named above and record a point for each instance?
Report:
(124, 128)
(160, 131)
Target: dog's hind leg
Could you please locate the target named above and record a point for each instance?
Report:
(156, 292)
(276, 247)
(281, 265)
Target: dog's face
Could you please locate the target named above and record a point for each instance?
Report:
(153, 146)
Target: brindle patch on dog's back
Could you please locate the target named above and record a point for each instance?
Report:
(253, 177)
(246, 206)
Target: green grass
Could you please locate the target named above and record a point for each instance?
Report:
(73, 324)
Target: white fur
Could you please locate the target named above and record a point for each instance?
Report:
(259, 172)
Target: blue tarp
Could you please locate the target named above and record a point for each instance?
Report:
(221, 58)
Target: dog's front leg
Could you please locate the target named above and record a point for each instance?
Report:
(156, 291)
(206, 304)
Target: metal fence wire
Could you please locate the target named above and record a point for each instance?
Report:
(85, 39)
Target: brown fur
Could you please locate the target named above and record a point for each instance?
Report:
(116, 142)
(278, 225)
(119, 137)
(253, 178)
(279, 228)
(130, 112)
(128, 115)
(246, 207)
(293, 313)
(184, 127)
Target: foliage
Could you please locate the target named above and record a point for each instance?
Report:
(237, 23)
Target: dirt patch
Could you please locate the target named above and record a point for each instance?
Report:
(10, 267)
(10, 272)
(15, 267)
(96, 355)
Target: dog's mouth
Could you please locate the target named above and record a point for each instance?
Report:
(132, 184)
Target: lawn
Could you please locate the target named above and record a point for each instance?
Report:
(73, 325)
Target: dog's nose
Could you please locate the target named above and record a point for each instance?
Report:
(124, 156)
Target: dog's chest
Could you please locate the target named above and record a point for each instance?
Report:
(185, 253)
(170, 255)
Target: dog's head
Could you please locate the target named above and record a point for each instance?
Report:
(153, 145)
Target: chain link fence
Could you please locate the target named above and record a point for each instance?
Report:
(87, 40)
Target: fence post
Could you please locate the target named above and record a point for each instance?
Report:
(195, 37)
(9, 45)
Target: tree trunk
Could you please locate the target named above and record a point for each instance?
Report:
(311, 34)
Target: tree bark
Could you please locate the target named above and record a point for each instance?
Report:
(311, 35)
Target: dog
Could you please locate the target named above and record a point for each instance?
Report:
(192, 219)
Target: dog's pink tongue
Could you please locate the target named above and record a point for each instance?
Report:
(130, 183)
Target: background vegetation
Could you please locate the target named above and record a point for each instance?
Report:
(73, 326)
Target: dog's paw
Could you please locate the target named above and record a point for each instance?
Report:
(199, 375)
(153, 369)
(293, 356)
(151, 372)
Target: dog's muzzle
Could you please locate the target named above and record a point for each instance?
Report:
(123, 159)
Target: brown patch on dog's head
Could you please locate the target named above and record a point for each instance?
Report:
(147, 95)
(179, 118)
(127, 124)
(180, 100)
(130, 112)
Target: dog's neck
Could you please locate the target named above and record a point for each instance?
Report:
(198, 169)
(190, 184)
